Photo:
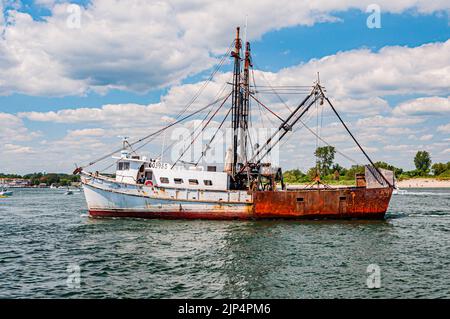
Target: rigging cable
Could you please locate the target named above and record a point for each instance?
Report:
(261, 112)
(357, 143)
(192, 142)
(153, 134)
(189, 104)
(303, 122)
(213, 137)
(205, 84)
(222, 89)
(209, 105)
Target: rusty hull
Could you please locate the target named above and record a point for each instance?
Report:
(336, 203)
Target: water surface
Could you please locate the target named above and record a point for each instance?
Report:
(43, 232)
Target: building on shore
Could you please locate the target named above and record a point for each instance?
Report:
(15, 182)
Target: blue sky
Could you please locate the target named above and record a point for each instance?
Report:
(283, 48)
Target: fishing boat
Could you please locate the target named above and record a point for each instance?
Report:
(248, 186)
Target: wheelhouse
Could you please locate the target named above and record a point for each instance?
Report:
(137, 170)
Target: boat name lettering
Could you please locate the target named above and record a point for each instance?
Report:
(159, 165)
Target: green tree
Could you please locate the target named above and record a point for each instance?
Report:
(397, 171)
(50, 179)
(439, 168)
(341, 170)
(355, 169)
(311, 173)
(325, 158)
(65, 182)
(3, 175)
(422, 161)
(293, 176)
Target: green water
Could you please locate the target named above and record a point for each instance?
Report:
(43, 232)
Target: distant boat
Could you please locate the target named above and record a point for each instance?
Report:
(5, 193)
(398, 191)
(68, 192)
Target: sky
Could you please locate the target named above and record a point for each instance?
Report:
(77, 75)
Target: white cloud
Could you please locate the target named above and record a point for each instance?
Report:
(444, 128)
(426, 137)
(47, 3)
(424, 106)
(401, 147)
(391, 71)
(368, 106)
(87, 132)
(2, 19)
(138, 115)
(141, 45)
(16, 149)
(398, 130)
(383, 121)
(12, 128)
(115, 114)
(355, 149)
(380, 128)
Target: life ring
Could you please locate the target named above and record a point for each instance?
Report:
(149, 183)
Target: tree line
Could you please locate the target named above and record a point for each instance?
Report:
(326, 168)
(330, 171)
(48, 179)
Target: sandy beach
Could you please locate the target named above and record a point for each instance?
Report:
(407, 183)
(423, 183)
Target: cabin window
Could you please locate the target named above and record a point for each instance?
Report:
(178, 180)
(207, 182)
(342, 198)
(300, 199)
(164, 180)
(193, 182)
(123, 166)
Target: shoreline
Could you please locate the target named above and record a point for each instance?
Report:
(423, 183)
(407, 183)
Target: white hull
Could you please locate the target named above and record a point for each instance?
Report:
(111, 198)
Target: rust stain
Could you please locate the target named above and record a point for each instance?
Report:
(334, 203)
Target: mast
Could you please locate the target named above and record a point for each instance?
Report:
(236, 99)
(245, 103)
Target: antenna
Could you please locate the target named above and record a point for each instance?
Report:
(124, 141)
(245, 29)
